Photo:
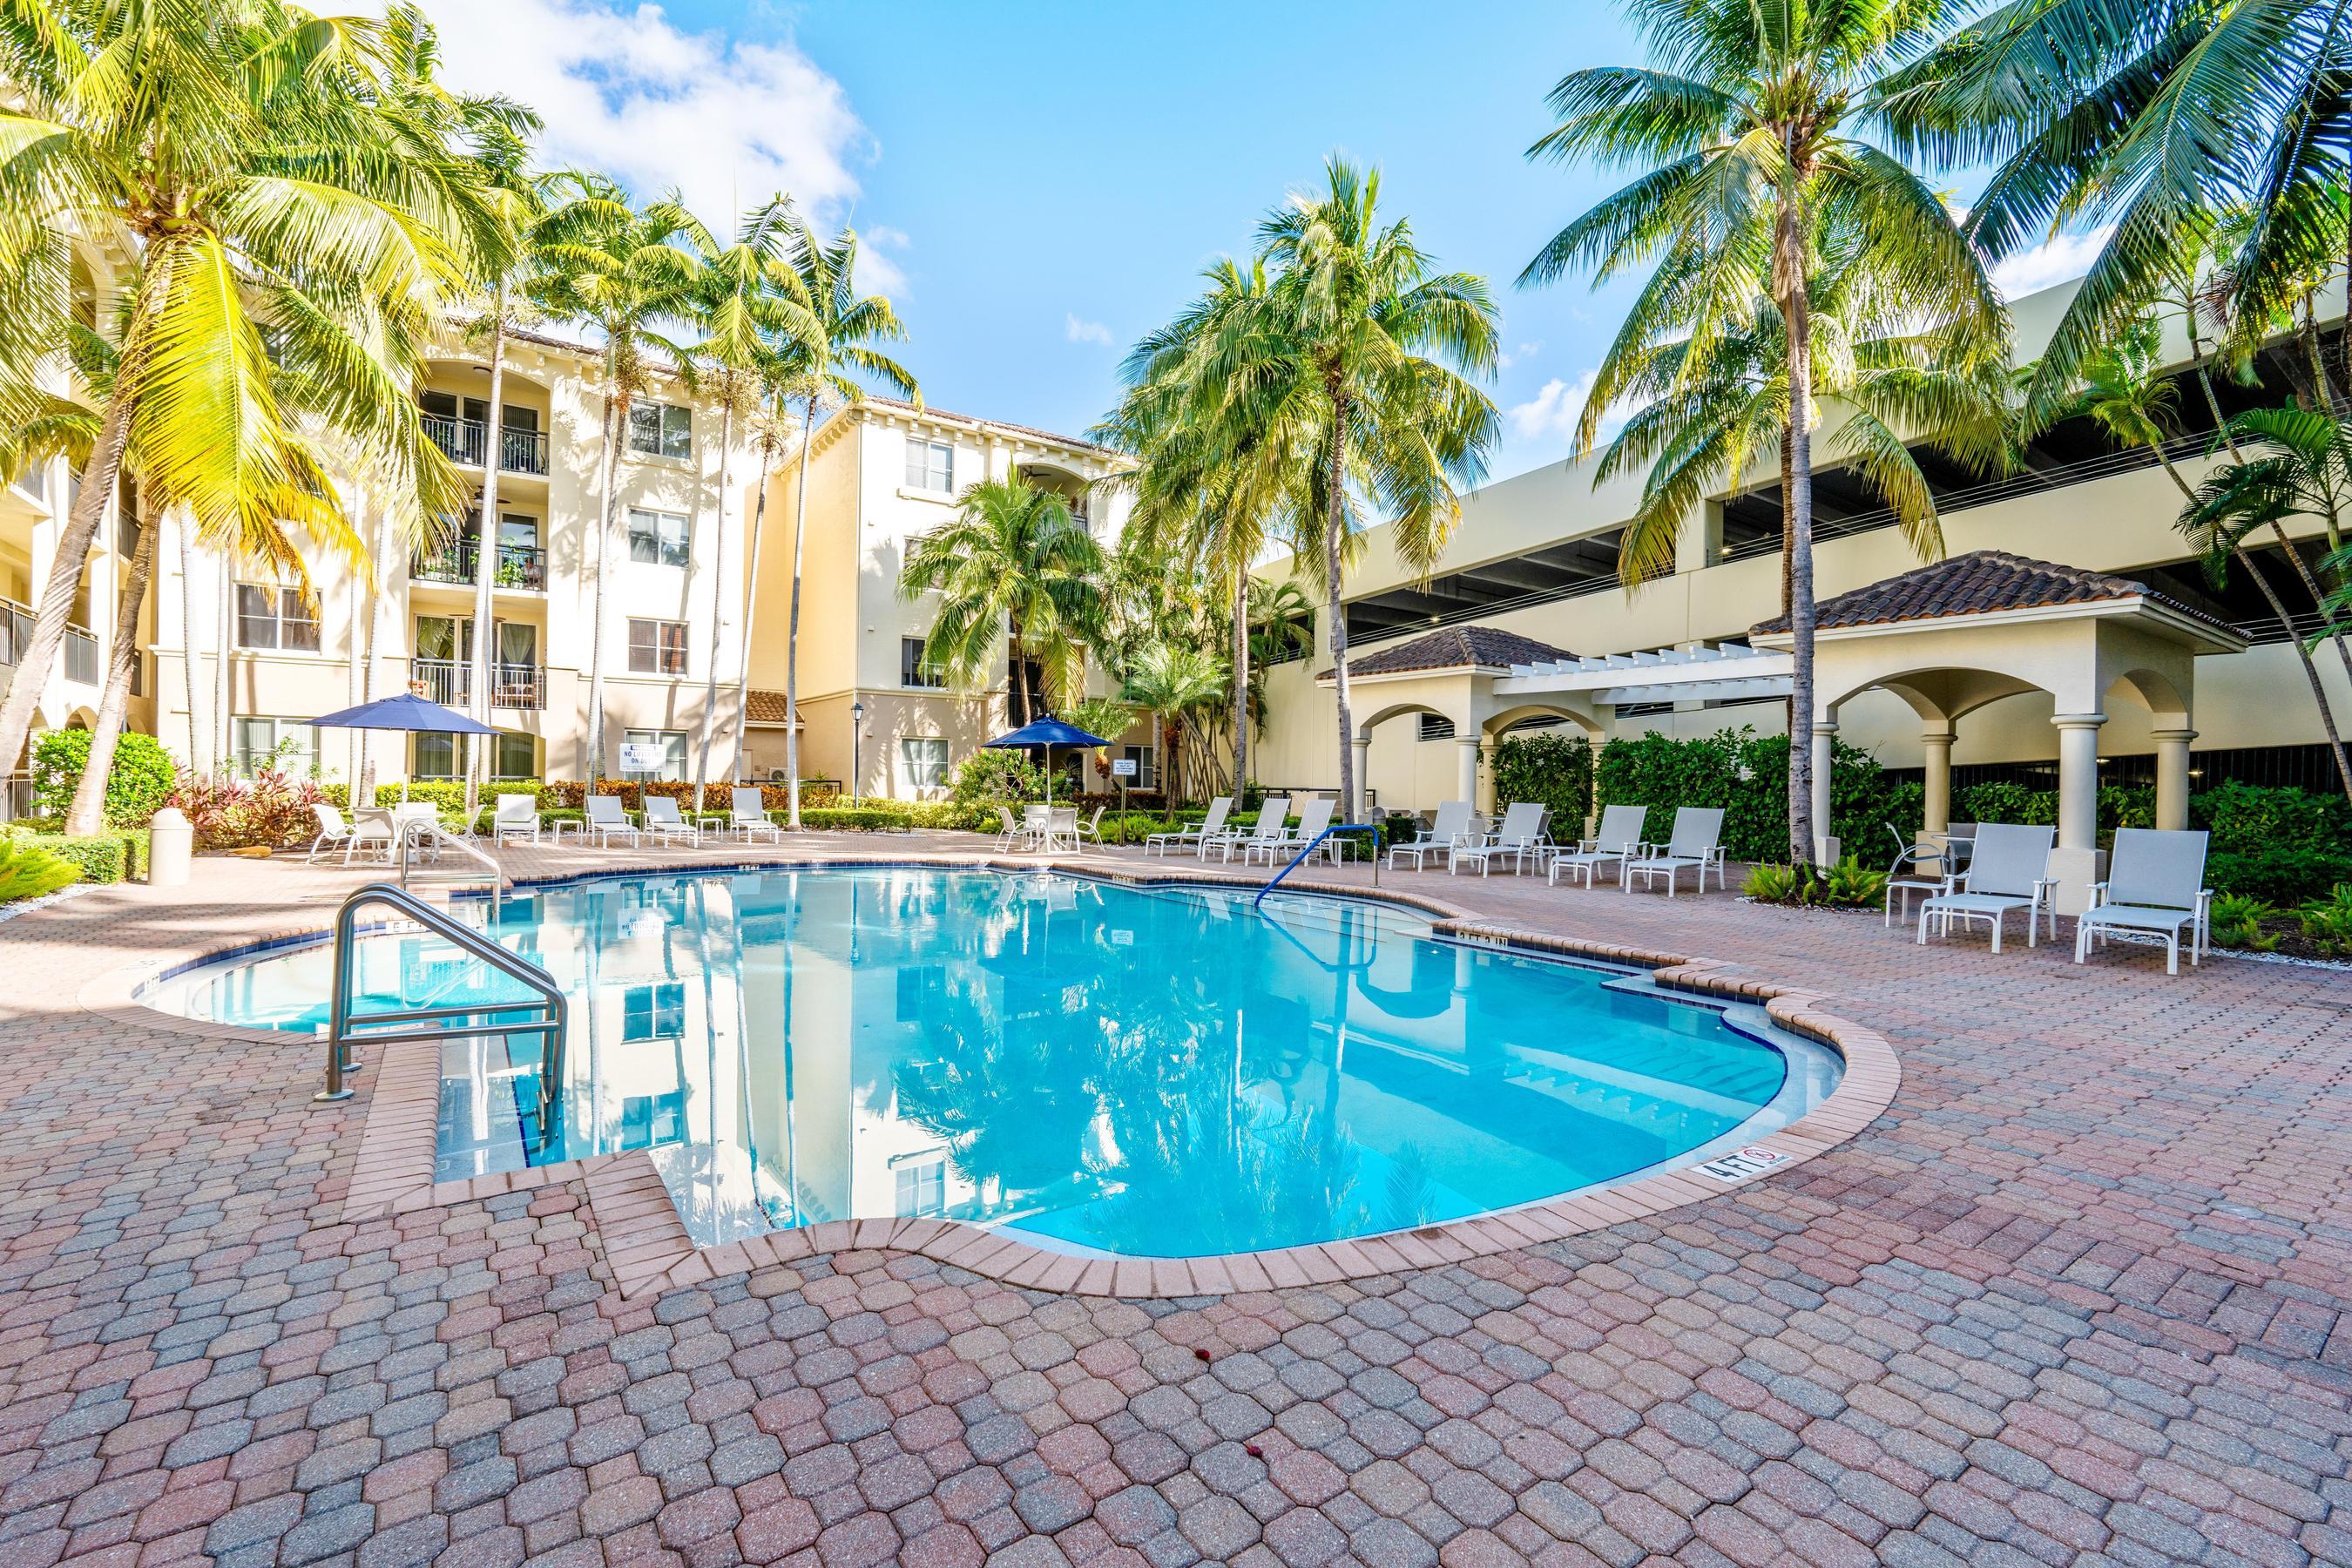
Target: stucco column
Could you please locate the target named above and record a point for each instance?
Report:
(2077, 863)
(1936, 747)
(2172, 777)
(1466, 770)
(1363, 744)
(1826, 844)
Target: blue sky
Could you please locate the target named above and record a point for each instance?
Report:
(1040, 184)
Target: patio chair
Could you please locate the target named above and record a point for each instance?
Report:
(606, 822)
(1061, 829)
(1932, 867)
(1191, 838)
(1453, 826)
(1313, 817)
(2008, 871)
(666, 822)
(333, 829)
(1520, 836)
(1696, 846)
(1091, 828)
(1618, 841)
(411, 813)
(2155, 885)
(1272, 813)
(750, 817)
(1015, 835)
(517, 817)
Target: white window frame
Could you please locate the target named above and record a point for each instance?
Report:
(922, 667)
(659, 647)
(245, 735)
(927, 774)
(930, 465)
(660, 537)
(671, 436)
(920, 1187)
(1147, 773)
(284, 609)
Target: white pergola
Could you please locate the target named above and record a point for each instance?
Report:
(1733, 672)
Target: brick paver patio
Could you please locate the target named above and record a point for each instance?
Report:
(2079, 1295)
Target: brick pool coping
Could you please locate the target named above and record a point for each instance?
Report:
(649, 1250)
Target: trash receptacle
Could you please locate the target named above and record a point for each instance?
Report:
(170, 839)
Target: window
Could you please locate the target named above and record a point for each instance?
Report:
(930, 465)
(661, 429)
(284, 745)
(516, 757)
(656, 537)
(914, 670)
(269, 617)
(657, 647)
(435, 756)
(673, 744)
(1437, 726)
(1142, 757)
(922, 1188)
(654, 1011)
(923, 761)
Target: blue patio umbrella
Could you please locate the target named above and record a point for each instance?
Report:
(405, 711)
(1048, 732)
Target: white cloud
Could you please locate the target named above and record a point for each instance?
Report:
(726, 121)
(1085, 331)
(2065, 257)
(1519, 355)
(1543, 429)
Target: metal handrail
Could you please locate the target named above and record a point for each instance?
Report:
(1316, 843)
(340, 1026)
(415, 832)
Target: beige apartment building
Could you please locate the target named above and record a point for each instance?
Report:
(880, 475)
(1522, 622)
(673, 605)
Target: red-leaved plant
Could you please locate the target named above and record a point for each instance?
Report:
(235, 813)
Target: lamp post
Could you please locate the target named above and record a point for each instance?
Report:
(856, 748)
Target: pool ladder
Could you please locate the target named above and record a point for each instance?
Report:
(1316, 843)
(548, 1012)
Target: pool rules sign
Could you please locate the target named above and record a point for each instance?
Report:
(1742, 1163)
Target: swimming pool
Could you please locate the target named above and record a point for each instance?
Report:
(1143, 1071)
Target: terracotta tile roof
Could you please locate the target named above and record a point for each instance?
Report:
(764, 707)
(1982, 582)
(1455, 647)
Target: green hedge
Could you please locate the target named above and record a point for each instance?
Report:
(1747, 775)
(106, 857)
(137, 784)
(1549, 767)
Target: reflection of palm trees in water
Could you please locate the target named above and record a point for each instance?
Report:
(1004, 1094)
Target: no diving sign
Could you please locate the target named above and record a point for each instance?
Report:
(1742, 1163)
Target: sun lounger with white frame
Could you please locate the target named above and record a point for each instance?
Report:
(750, 817)
(1696, 846)
(1191, 837)
(665, 821)
(1520, 836)
(1271, 813)
(1453, 826)
(1618, 841)
(2009, 871)
(606, 822)
(1313, 817)
(515, 817)
(2155, 887)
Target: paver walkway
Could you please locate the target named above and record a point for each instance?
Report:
(2080, 1295)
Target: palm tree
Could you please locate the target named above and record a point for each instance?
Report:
(1354, 365)
(1173, 679)
(2157, 118)
(627, 276)
(295, 221)
(1745, 126)
(749, 301)
(823, 367)
(1016, 574)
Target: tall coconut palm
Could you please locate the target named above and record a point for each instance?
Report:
(1172, 680)
(631, 279)
(1746, 128)
(826, 366)
(750, 300)
(1016, 575)
(2157, 119)
(294, 230)
(1360, 355)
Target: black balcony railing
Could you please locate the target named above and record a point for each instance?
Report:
(81, 657)
(16, 632)
(519, 565)
(450, 681)
(464, 441)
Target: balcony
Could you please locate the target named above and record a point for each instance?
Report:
(463, 441)
(81, 657)
(519, 565)
(521, 688)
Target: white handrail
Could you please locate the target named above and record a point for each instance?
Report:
(415, 833)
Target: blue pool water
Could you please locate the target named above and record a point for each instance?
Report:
(1139, 1071)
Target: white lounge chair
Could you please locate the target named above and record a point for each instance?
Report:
(2155, 885)
(1209, 826)
(1618, 841)
(1696, 846)
(666, 822)
(2008, 871)
(1520, 836)
(516, 816)
(606, 822)
(750, 817)
(1932, 867)
(1272, 813)
(1313, 817)
(1452, 827)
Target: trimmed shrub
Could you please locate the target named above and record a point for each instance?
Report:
(29, 869)
(1747, 775)
(857, 818)
(103, 857)
(1550, 766)
(137, 784)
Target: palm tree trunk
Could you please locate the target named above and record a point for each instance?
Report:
(1798, 520)
(35, 658)
(364, 790)
(718, 578)
(87, 814)
(1016, 680)
(750, 620)
(2310, 670)
(1241, 678)
(615, 407)
(188, 643)
(224, 685)
(486, 564)
(1335, 520)
(792, 627)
